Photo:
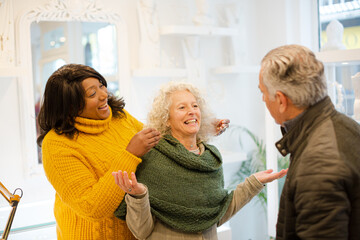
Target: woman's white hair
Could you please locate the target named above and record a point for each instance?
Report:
(159, 114)
(294, 71)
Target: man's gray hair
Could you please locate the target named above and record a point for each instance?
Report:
(294, 71)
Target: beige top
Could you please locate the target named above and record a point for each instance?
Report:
(145, 226)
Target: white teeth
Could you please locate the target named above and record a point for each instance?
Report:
(191, 121)
(103, 105)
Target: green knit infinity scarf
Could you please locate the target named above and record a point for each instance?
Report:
(186, 190)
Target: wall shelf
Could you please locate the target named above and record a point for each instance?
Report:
(340, 66)
(160, 72)
(347, 55)
(235, 69)
(198, 31)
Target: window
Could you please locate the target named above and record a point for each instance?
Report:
(340, 19)
(339, 27)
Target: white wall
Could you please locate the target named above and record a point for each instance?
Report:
(264, 25)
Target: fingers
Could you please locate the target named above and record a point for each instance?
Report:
(268, 175)
(283, 172)
(133, 178)
(115, 178)
(151, 132)
(152, 136)
(143, 141)
(127, 182)
(129, 185)
(222, 125)
(122, 180)
(279, 174)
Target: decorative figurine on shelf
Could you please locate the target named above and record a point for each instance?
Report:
(334, 33)
(339, 105)
(149, 52)
(356, 84)
(235, 53)
(203, 17)
(193, 62)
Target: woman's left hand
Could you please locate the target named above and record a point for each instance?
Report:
(221, 125)
(130, 186)
(268, 175)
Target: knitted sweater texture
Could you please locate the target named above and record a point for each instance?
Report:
(80, 170)
(186, 190)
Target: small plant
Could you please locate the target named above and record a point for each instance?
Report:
(256, 162)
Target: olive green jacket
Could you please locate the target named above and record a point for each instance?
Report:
(321, 195)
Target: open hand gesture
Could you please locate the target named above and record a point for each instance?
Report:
(130, 186)
(267, 175)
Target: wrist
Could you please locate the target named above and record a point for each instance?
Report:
(139, 195)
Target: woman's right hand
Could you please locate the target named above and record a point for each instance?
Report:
(143, 141)
(129, 186)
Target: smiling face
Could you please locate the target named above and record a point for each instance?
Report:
(96, 97)
(185, 115)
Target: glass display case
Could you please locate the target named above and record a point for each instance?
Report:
(343, 81)
(339, 44)
(339, 24)
(342, 71)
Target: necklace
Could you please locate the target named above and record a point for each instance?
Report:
(196, 151)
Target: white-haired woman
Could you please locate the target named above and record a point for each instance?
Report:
(179, 189)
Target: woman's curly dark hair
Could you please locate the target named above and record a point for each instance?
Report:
(64, 98)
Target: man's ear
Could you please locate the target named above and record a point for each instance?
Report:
(283, 101)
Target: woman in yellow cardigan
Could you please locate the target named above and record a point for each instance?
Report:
(86, 134)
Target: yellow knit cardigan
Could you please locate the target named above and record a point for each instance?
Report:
(80, 171)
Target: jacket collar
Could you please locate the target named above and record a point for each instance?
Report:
(304, 126)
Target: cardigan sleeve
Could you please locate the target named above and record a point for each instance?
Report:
(138, 217)
(77, 181)
(243, 193)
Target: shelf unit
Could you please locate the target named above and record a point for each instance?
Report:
(340, 65)
(187, 31)
(337, 56)
(160, 72)
(183, 31)
(235, 69)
